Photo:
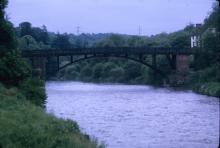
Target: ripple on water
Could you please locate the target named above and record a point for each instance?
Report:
(135, 116)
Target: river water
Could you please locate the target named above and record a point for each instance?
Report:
(134, 116)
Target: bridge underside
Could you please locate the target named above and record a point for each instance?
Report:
(139, 59)
(50, 67)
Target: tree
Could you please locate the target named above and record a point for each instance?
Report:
(107, 68)
(27, 42)
(189, 28)
(117, 74)
(13, 69)
(25, 29)
(61, 41)
(213, 19)
(86, 72)
(118, 40)
(114, 40)
(180, 40)
(132, 71)
(44, 35)
(209, 53)
(40, 34)
(97, 71)
(7, 38)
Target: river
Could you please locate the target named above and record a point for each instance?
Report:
(135, 116)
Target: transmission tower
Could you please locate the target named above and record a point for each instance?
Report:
(139, 30)
(77, 30)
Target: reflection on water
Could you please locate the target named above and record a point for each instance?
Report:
(132, 116)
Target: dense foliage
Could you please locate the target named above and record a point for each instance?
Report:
(205, 77)
(13, 69)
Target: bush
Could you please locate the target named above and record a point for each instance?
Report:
(98, 71)
(108, 66)
(117, 74)
(27, 42)
(13, 69)
(86, 72)
(73, 75)
(132, 71)
(209, 88)
(34, 91)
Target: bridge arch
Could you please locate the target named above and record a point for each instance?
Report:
(177, 58)
(137, 60)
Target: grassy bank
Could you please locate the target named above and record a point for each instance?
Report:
(209, 88)
(205, 81)
(24, 124)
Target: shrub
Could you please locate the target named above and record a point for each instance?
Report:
(98, 71)
(209, 88)
(86, 72)
(13, 69)
(132, 71)
(34, 91)
(117, 74)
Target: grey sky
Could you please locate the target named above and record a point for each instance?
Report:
(117, 16)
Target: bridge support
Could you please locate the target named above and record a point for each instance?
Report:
(172, 60)
(39, 67)
(51, 67)
(179, 76)
(182, 63)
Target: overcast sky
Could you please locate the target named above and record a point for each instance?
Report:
(116, 16)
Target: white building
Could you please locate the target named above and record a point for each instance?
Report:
(195, 41)
(197, 38)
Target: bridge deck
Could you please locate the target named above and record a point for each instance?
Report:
(105, 50)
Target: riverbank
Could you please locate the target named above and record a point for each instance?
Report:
(209, 89)
(24, 124)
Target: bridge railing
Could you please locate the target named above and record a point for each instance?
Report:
(105, 50)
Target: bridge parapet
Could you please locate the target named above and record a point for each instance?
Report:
(105, 50)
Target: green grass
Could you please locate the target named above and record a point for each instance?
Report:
(24, 125)
(208, 88)
(205, 81)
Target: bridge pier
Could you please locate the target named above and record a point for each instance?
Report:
(172, 60)
(51, 67)
(179, 76)
(39, 67)
(182, 63)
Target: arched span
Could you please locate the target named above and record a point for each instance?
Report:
(113, 56)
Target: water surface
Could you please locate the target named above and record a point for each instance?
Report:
(132, 116)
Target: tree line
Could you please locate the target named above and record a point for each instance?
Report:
(203, 67)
